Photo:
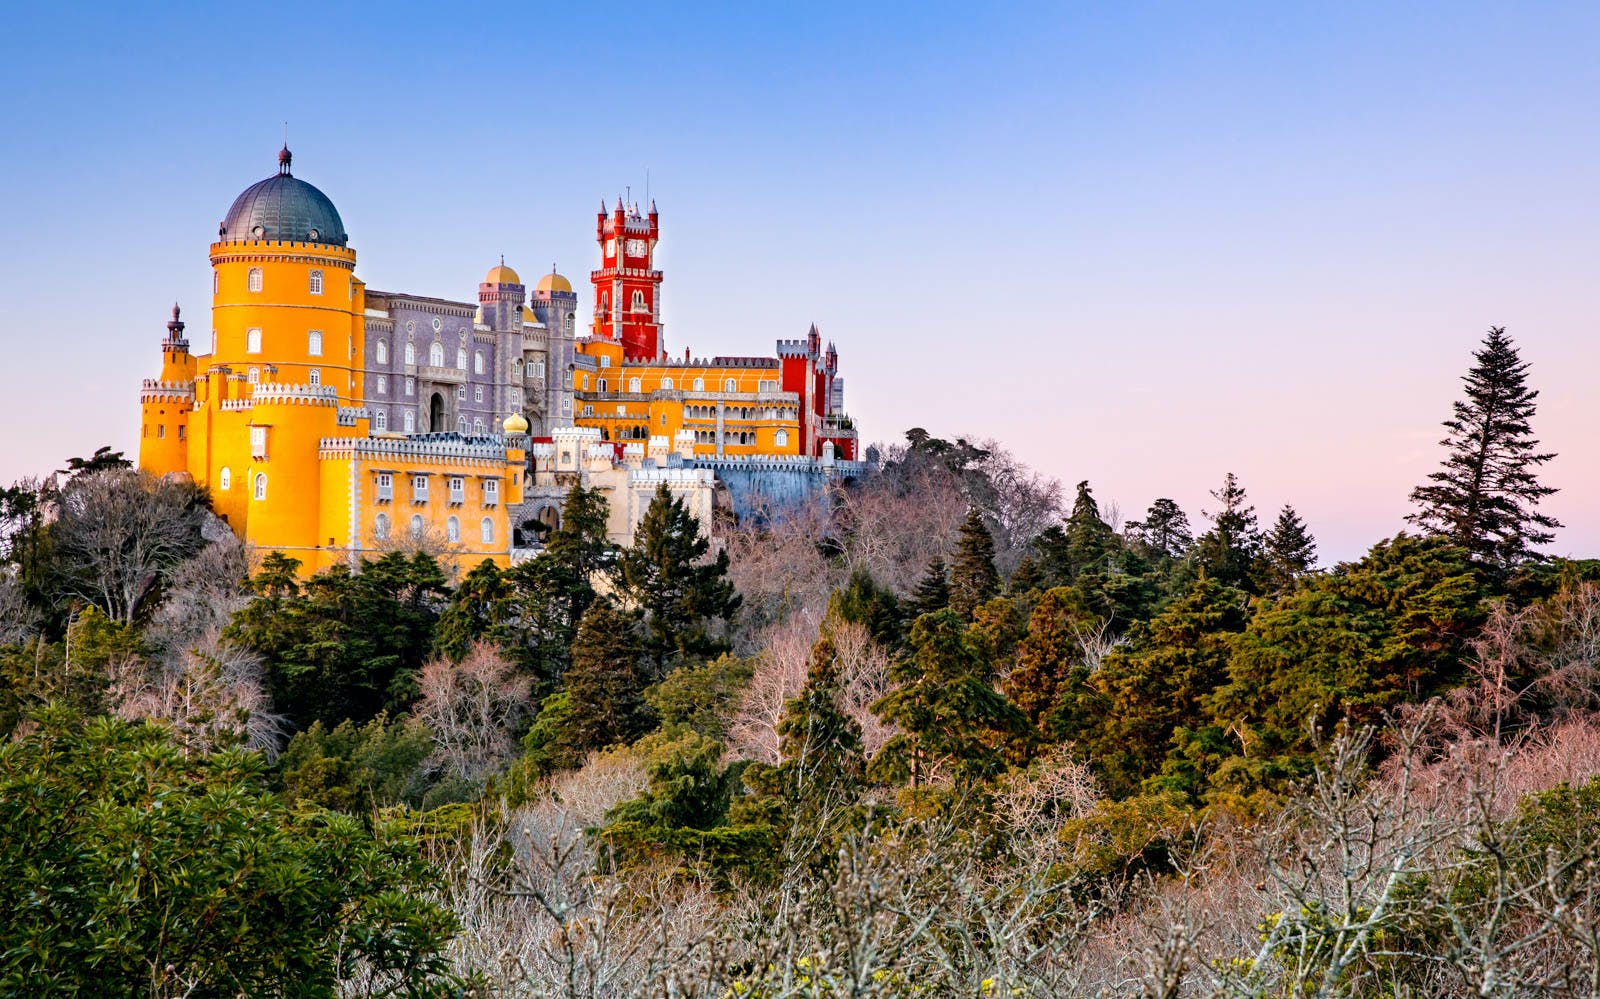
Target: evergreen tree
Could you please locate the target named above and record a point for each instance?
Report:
(1229, 550)
(580, 550)
(1287, 553)
(973, 577)
(1164, 531)
(1050, 657)
(606, 682)
(932, 593)
(820, 745)
(103, 459)
(475, 607)
(1484, 497)
(668, 580)
(1090, 540)
(950, 724)
(1025, 578)
(862, 601)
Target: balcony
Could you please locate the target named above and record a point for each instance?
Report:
(452, 376)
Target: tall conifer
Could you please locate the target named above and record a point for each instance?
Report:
(1164, 529)
(932, 592)
(1229, 550)
(1484, 498)
(973, 577)
(1288, 552)
(606, 682)
(1090, 540)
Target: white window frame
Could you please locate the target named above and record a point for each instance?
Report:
(253, 280)
(781, 439)
(634, 385)
(477, 393)
(380, 527)
(380, 420)
(260, 491)
(486, 530)
(452, 530)
(417, 527)
(436, 354)
(461, 359)
(383, 384)
(666, 384)
(411, 353)
(314, 376)
(638, 302)
(411, 385)
(730, 385)
(253, 376)
(316, 281)
(258, 442)
(477, 426)
(410, 422)
(381, 349)
(477, 362)
(458, 489)
(252, 340)
(538, 371)
(384, 487)
(419, 489)
(699, 384)
(314, 343)
(225, 479)
(491, 492)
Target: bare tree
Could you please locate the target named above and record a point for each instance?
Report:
(472, 708)
(120, 533)
(213, 695)
(19, 621)
(780, 672)
(863, 680)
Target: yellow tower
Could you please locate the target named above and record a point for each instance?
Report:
(166, 404)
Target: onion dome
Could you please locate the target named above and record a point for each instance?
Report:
(553, 282)
(285, 209)
(501, 274)
(515, 424)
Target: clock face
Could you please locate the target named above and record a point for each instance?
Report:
(636, 248)
(611, 247)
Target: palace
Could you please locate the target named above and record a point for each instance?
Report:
(332, 421)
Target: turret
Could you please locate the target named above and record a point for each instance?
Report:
(166, 404)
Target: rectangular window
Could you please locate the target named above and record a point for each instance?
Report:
(385, 486)
(458, 490)
(419, 489)
(314, 343)
(258, 442)
(538, 371)
(491, 492)
(181, 434)
(252, 341)
(161, 431)
(769, 385)
(316, 282)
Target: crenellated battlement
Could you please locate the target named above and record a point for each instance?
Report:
(155, 390)
(438, 448)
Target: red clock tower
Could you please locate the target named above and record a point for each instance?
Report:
(627, 287)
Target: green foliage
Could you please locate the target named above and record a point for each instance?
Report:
(476, 610)
(342, 644)
(1090, 540)
(680, 594)
(952, 725)
(1150, 688)
(1050, 657)
(1164, 532)
(932, 593)
(605, 686)
(1365, 636)
(973, 577)
(1228, 552)
(681, 818)
(701, 698)
(130, 868)
(862, 601)
(357, 768)
(1485, 497)
(1288, 552)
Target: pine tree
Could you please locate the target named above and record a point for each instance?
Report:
(951, 725)
(1090, 540)
(973, 577)
(1288, 552)
(474, 608)
(1229, 550)
(1484, 497)
(581, 548)
(820, 745)
(932, 593)
(667, 579)
(1164, 530)
(606, 682)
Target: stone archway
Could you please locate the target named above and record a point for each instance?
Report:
(436, 414)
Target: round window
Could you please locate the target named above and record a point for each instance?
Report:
(438, 324)
(313, 234)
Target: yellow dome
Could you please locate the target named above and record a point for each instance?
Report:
(554, 282)
(515, 424)
(501, 274)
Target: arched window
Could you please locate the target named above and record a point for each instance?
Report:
(477, 393)
(255, 279)
(314, 343)
(253, 376)
(314, 376)
(410, 422)
(461, 424)
(381, 351)
(633, 385)
(411, 385)
(316, 282)
(380, 419)
(731, 385)
(452, 529)
(261, 485)
(411, 353)
(638, 301)
(570, 319)
(605, 301)
(516, 369)
(666, 384)
(477, 362)
(461, 358)
(699, 384)
(477, 426)
(383, 384)
(252, 341)
(603, 384)
(436, 354)
(488, 531)
(225, 479)
(380, 527)
(416, 527)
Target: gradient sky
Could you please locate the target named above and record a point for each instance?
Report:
(1140, 244)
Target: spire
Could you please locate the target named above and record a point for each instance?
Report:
(284, 158)
(175, 328)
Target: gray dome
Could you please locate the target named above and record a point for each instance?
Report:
(286, 209)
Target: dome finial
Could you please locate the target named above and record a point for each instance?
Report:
(284, 158)
(174, 311)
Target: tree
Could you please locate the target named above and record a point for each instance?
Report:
(973, 576)
(820, 744)
(472, 707)
(1484, 498)
(1229, 550)
(1287, 553)
(476, 606)
(1164, 531)
(129, 868)
(1050, 657)
(668, 580)
(358, 768)
(701, 697)
(119, 534)
(103, 460)
(932, 593)
(952, 726)
(1090, 540)
(605, 685)
(580, 549)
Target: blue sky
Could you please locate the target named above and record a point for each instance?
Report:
(1140, 244)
